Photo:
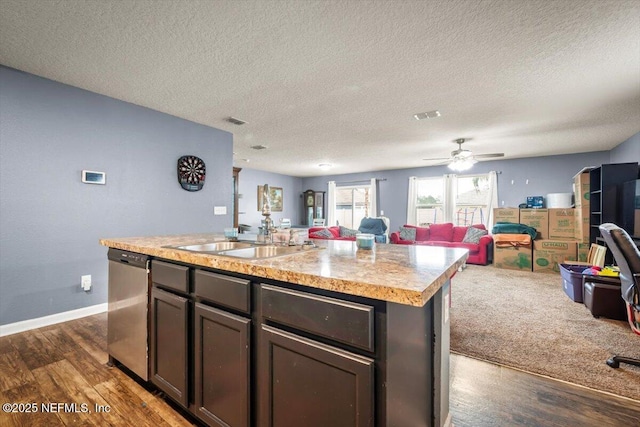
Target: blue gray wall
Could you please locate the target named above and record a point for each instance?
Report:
(248, 203)
(628, 151)
(532, 176)
(50, 222)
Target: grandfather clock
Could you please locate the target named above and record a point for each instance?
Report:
(313, 206)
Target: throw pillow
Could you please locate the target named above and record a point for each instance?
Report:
(322, 234)
(473, 235)
(407, 233)
(347, 232)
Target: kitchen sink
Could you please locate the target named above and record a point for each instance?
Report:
(260, 252)
(214, 246)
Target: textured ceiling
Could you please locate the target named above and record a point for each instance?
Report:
(339, 81)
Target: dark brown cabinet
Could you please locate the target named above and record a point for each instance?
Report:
(200, 351)
(307, 383)
(169, 344)
(221, 367)
(237, 352)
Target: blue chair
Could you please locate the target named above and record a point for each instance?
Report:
(376, 226)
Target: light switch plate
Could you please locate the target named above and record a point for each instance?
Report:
(219, 210)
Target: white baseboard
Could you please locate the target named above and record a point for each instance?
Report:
(26, 325)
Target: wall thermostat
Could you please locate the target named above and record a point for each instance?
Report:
(93, 177)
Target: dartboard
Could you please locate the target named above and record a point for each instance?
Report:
(191, 173)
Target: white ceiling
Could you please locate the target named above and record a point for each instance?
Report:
(339, 81)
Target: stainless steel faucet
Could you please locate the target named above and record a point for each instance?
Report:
(266, 212)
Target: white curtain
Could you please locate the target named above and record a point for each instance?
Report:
(492, 198)
(450, 190)
(373, 195)
(412, 201)
(331, 203)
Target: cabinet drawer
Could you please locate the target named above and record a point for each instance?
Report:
(347, 322)
(170, 275)
(228, 291)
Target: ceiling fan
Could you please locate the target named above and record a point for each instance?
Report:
(462, 159)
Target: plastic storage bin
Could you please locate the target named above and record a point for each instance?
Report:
(572, 280)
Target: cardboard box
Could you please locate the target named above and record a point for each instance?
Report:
(538, 219)
(506, 215)
(562, 224)
(513, 258)
(581, 188)
(549, 254)
(582, 225)
(583, 251)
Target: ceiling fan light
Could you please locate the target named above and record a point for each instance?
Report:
(462, 164)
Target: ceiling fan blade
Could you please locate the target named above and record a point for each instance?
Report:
(440, 163)
(488, 156)
(437, 159)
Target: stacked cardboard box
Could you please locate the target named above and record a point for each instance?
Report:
(581, 188)
(560, 244)
(563, 234)
(506, 215)
(554, 244)
(549, 254)
(512, 257)
(538, 219)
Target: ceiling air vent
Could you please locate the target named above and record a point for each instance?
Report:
(259, 147)
(236, 121)
(428, 115)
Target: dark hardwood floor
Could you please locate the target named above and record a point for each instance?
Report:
(44, 369)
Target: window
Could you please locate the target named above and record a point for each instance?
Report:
(430, 202)
(472, 193)
(463, 200)
(352, 204)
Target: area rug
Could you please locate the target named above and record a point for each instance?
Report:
(524, 320)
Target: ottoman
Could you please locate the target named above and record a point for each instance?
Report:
(603, 297)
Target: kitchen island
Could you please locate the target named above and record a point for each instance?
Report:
(328, 336)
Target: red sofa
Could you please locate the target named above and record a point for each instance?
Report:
(450, 236)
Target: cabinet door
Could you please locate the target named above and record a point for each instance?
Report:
(221, 367)
(306, 383)
(169, 322)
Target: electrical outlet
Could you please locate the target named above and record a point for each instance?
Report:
(219, 210)
(85, 282)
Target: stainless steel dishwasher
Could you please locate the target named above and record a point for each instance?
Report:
(127, 316)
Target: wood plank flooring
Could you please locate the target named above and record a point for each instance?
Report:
(66, 364)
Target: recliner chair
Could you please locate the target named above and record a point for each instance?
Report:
(627, 256)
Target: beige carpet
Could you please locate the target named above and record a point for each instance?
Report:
(525, 320)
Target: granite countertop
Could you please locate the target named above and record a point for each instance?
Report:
(404, 274)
